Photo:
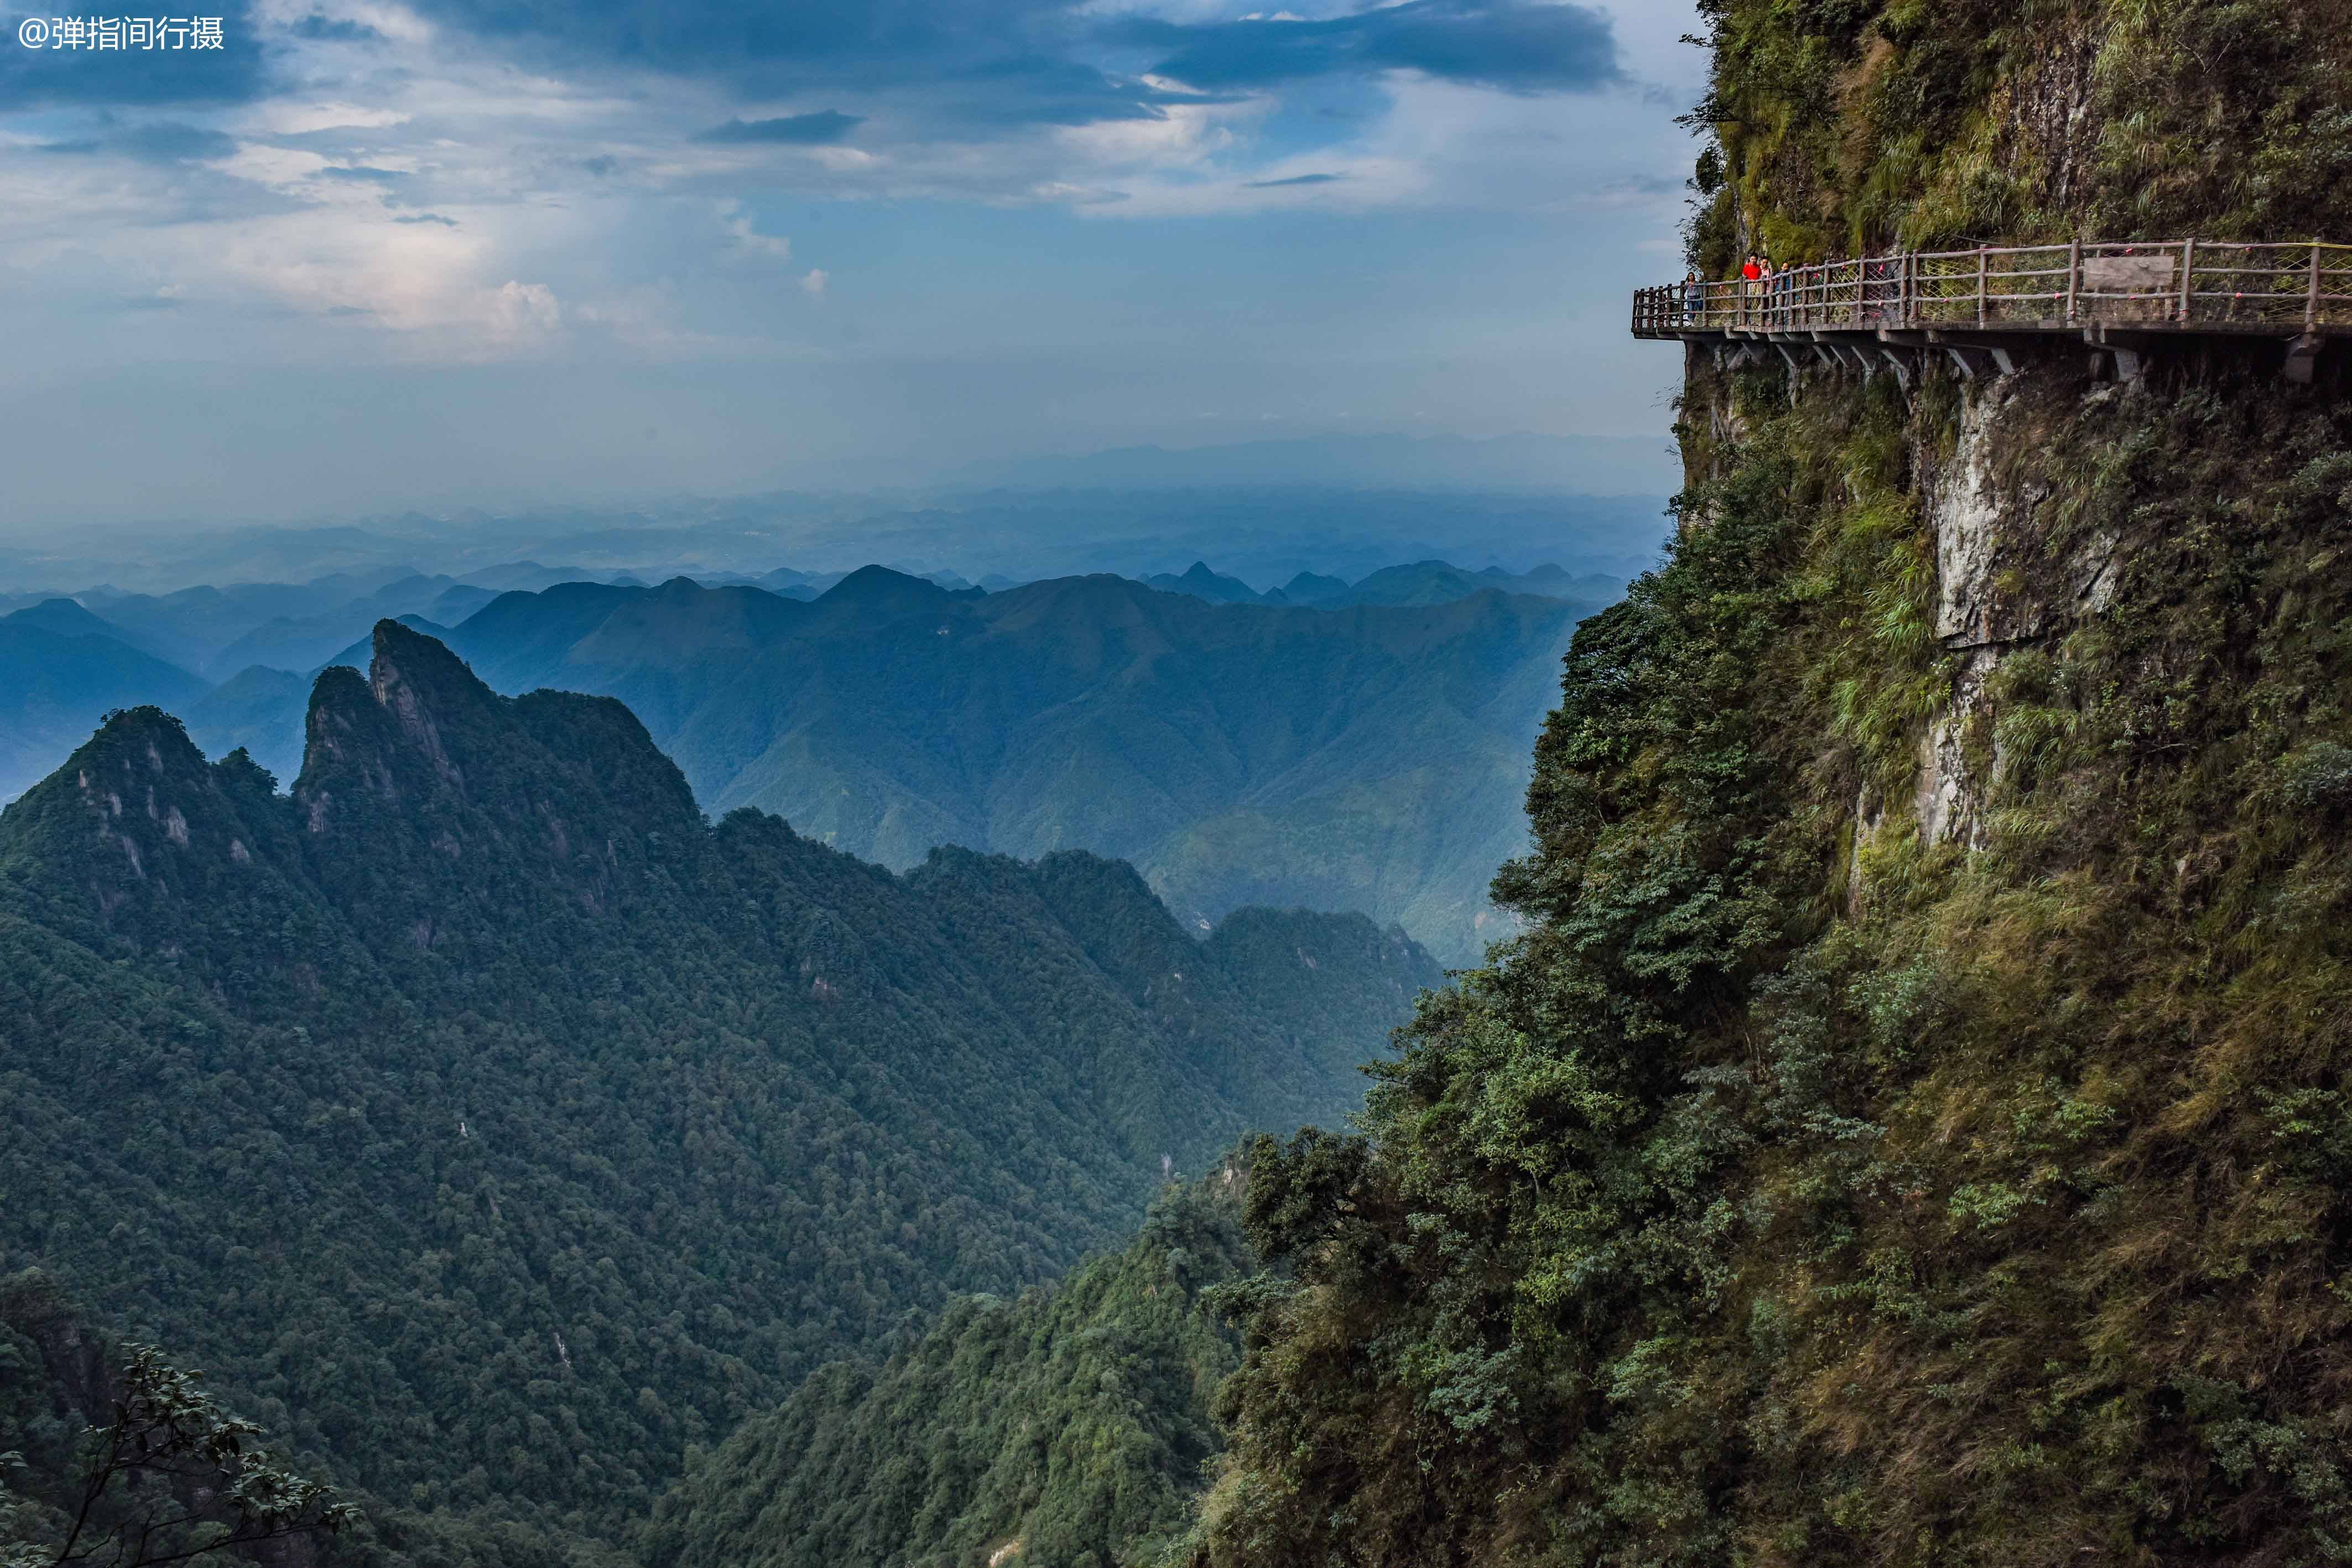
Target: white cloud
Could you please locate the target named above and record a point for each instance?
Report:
(286, 119)
(744, 240)
(1185, 135)
(813, 284)
(524, 309)
(1061, 192)
(281, 169)
(392, 21)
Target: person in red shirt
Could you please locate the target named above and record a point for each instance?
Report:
(1752, 283)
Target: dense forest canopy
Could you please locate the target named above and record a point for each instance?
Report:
(494, 1128)
(1065, 1427)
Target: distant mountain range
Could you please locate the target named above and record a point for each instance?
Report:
(1368, 758)
(61, 668)
(1423, 582)
(218, 632)
(1263, 521)
(1363, 749)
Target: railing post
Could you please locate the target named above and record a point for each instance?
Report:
(2311, 301)
(2074, 274)
(2188, 270)
(1904, 288)
(1981, 285)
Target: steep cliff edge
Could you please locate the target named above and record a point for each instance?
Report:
(1913, 1129)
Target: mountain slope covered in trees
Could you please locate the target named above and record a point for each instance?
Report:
(1913, 1129)
(117, 1457)
(492, 1125)
(1065, 1427)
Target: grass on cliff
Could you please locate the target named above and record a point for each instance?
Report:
(1845, 126)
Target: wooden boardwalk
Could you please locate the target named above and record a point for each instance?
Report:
(1985, 306)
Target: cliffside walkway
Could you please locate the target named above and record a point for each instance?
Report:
(1984, 307)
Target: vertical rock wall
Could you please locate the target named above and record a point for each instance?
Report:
(1994, 497)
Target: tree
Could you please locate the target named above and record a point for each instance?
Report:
(174, 1478)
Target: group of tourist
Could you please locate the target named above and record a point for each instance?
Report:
(1763, 288)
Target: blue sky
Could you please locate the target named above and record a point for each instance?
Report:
(376, 255)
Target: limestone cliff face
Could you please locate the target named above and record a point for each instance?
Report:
(2029, 492)
(1850, 130)
(2004, 579)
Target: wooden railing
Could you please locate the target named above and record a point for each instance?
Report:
(2188, 285)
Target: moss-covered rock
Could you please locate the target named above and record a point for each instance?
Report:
(1846, 126)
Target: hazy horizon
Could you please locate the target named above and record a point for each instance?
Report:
(1263, 534)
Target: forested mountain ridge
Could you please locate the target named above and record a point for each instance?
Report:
(1913, 1129)
(1418, 582)
(1369, 758)
(1064, 1428)
(494, 1127)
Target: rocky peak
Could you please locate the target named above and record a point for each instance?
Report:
(398, 731)
(421, 761)
(138, 780)
(414, 679)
